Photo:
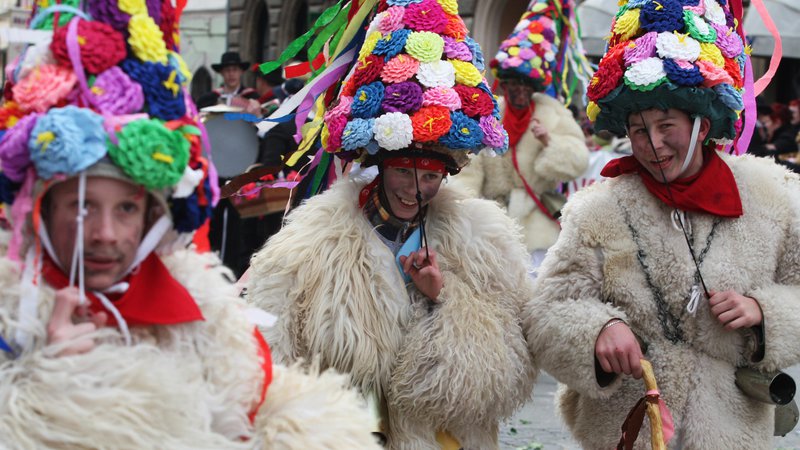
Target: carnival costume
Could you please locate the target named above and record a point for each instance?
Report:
(522, 180)
(444, 368)
(622, 252)
(181, 365)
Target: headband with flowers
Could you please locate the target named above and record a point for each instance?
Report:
(683, 54)
(107, 90)
(418, 83)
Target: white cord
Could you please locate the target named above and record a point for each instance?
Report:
(224, 233)
(77, 268)
(692, 144)
(694, 299)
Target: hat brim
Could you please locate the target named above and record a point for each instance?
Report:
(454, 160)
(695, 101)
(218, 67)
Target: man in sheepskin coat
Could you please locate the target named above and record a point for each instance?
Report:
(544, 137)
(621, 284)
(114, 335)
(407, 285)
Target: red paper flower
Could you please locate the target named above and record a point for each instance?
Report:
(732, 67)
(474, 101)
(101, 46)
(455, 27)
(609, 74)
(430, 123)
(367, 70)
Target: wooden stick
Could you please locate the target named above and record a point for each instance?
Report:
(656, 430)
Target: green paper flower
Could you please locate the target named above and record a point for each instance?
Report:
(698, 28)
(150, 153)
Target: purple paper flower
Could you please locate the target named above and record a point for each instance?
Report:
(643, 47)
(728, 41)
(154, 10)
(405, 97)
(14, 154)
(492, 132)
(457, 50)
(108, 12)
(116, 94)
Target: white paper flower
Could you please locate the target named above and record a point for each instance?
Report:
(677, 46)
(437, 74)
(645, 72)
(700, 24)
(714, 12)
(393, 131)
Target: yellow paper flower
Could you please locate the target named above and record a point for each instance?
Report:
(449, 6)
(183, 69)
(425, 46)
(132, 7)
(369, 44)
(592, 110)
(710, 52)
(146, 39)
(466, 73)
(513, 51)
(627, 24)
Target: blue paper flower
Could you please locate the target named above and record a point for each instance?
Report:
(477, 54)
(741, 59)
(401, 2)
(161, 86)
(67, 140)
(357, 133)
(367, 101)
(681, 76)
(729, 96)
(464, 133)
(664, 15)
(392, 44)
(496, 110)
(637, 3)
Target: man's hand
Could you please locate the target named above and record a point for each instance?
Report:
(618, 351)
(62, 327)
(424, 272)
(734, 310)
(540, 132)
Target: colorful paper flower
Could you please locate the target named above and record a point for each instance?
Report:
(334, 126)
(698, 28)
(608, 75)
(442, 96)
(399, 69)
(66, 140)
(430, 123)
(30, 93)
(109, 13)
(474, 102)
(454, 49)
(645, 75)
(732, 67)
(493, 132)
(146, 39)
(391, 20)
(666, 15)
(728, 41)
(100, 46)
(133, 7)
(10, 115)
(14, 154)
(169, 25)
(426, 15)
(367, 70)
(403, 97)
(455, 27)
(592, 110)
(401, 2)
(367, 100)
(677, 46)
(357, 134)
(154, 10)
(465, 133)
(393, 131)
(424, 46)
(627, 25)
(642, 48)
(449, 6)
(437, 74)
(369, 44)
(116, 94)
(161, 88)
(731, 97)
(392, 44)
(477, 54)
(711, 53)
(714, 13)
(713, 74)
(150, 153)
(683, 73)
(466, 73)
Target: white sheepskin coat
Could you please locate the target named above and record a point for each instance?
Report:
(188, 386)
(544, 168)
(459, 365)
(592, 275)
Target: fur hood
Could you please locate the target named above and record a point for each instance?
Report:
(544, 168)
(593, 274)
(188, 386)
(340, 300)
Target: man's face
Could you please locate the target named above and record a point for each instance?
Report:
(400, 188)
(518, 95)
(113, 227)
(232, 76)
(670, 132)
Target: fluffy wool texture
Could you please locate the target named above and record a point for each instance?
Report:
(592, 275)
(544, 168)
(459, 365)
(188, 386)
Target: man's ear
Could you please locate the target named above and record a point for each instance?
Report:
(705, 128)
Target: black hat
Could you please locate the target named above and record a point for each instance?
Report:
(230, 59)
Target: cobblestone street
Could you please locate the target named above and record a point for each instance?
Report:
(540, 428)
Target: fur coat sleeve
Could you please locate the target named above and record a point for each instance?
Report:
(187, 386)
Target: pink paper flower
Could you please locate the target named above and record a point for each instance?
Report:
(441, 96)
(392, 19)
(399, 69)
(44, 87)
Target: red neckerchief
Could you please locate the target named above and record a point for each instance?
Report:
(366, 191)
(516, 122)
(713, 190)
(153, 298)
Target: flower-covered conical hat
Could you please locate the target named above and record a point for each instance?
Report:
(683, 54)
(529, 53)
(418, 83)
(108, 87)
